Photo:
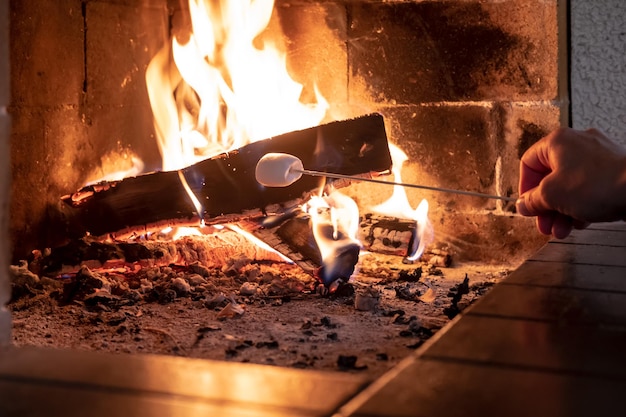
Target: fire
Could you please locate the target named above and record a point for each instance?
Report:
(224, 86)
(335, 222)
(398, 205)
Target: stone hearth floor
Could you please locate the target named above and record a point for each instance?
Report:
(548, 341)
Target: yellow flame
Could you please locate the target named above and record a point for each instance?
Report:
(334, 220)
(117, 167)
(228, 84)
(181, 232)
(398, 206)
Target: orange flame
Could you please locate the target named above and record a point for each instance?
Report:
(398, 205)
(228, 86)
(335, 223)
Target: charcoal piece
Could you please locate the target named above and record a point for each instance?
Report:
(410, 276)
(387, 235)
(348, 362)
(456, 293)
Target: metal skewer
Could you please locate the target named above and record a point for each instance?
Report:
(423, 187)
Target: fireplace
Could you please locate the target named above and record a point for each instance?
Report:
(464, 88)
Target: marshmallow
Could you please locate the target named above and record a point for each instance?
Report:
(278, 170)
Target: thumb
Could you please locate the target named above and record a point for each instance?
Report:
(531, 203)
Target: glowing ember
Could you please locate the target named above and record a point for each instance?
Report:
(225, 84)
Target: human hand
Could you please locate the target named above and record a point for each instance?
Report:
(571, 178)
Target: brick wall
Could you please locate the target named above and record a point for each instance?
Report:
(464, 86)
(78, 97)
(5, 120)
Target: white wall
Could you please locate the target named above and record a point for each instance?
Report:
(598, 66)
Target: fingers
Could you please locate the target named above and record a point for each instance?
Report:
(562, 226)
(556, 224)
(549, 222)
(534, 166)
(531, 203)
(544, 223)
(530, 178)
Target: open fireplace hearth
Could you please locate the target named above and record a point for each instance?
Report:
(458, 89)
(260, 312)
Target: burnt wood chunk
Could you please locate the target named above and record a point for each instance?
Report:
(394, 236)
(225, 185)
(386, 235)
(293, 238)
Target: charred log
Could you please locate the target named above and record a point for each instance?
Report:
(209, 251)
(225, 185)
(386, 235)
(293, 238)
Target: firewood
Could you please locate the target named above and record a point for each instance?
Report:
(386, 235)
(393, 236)
(293, 238)
(225, 185)
(211, 250)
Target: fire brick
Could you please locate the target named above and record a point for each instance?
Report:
(4, 57)
(29, 177)
(467, 50)
(120, 41)
(451, 146)
(47, 64)
(5, 124)
(307, 26)
(524, 124)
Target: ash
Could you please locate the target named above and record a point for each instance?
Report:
(249, 311)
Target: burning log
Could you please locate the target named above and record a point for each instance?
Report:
(393, 236)
(224, 188)
(294, 239)
(209, 250)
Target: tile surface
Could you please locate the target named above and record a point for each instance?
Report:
(446, 388)
(548, 341)
(597, 237)
(561, 274)
(178, 383)
(554, 304)
(576, 350)
(621, 226)
(582, 254)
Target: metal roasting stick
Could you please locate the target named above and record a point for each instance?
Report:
(424, 187)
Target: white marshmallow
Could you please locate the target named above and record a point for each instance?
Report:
(277, 170)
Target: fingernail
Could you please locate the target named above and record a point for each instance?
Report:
(520, 206)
